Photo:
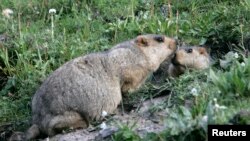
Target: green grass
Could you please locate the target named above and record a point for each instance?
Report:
(31, 52)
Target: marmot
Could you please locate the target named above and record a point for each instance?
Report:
(78, 91)
(187, 57)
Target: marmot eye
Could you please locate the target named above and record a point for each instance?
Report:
(159, 39)
(190, 50)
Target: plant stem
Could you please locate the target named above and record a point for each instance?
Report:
(52, 27)
(19, 25)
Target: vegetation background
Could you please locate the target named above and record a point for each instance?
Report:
(34, 42)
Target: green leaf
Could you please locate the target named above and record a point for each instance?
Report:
(187, 114)
(203, 41)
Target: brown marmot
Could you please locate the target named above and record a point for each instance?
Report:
(187, 57)
(78, 91)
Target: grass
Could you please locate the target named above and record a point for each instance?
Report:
(32, 49)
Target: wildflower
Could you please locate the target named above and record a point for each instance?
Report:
(223, 107)
(236, 55)
(243, 64)
(194, 92)
(217, 106)
(7, 12)
(103, 125)
(52, 11)
(215, 99)
(104, 113)
(204, 119)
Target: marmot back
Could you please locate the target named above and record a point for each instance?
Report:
(78, 91)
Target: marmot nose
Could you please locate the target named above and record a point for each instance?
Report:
(174, 60)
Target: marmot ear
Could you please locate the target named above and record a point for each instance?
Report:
(202, 50)
(141, 41)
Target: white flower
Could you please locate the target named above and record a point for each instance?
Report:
(236, 55)
(217, 106)
(215, 99)
(103, 125)
(7, 12)
(104, 113)
(204, 119)
(243, 64)
(223, 107)
(194, 92)
(52, 11)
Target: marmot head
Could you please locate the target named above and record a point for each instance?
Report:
(192, 57)
(156, 48)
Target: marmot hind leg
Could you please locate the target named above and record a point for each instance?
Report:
(68, 120)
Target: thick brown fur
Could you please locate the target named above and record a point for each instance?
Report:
(192, 57)
(78, 91)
